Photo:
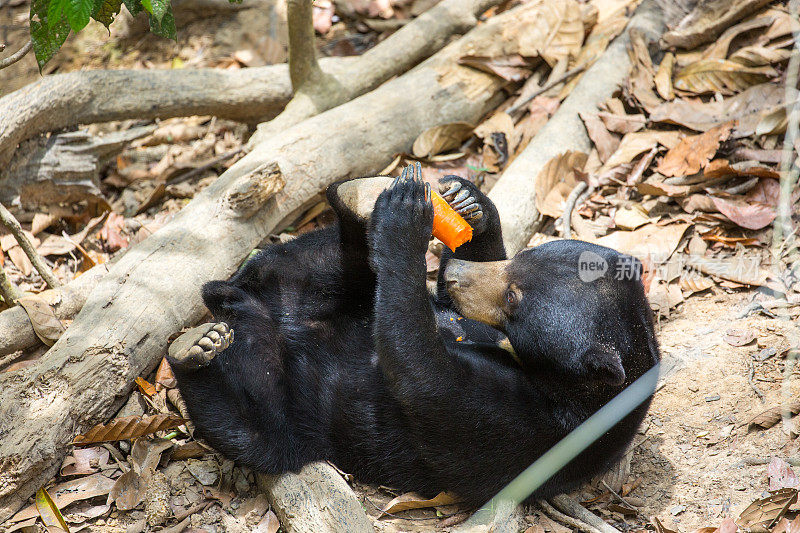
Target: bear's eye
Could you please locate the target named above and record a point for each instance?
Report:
(511, 298)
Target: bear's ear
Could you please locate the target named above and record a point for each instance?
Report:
(604, 365)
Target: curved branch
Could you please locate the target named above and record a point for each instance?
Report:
(11, 223)
(19, 54)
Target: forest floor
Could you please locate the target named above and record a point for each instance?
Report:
(696, 461)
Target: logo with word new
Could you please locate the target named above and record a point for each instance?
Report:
(591, 266)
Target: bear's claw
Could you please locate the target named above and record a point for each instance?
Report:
(460, 198)
(198, 346)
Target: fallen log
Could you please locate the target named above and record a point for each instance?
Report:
(153, 291)
(16, 331)
(514, 193)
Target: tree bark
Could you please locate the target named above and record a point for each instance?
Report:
(154, 289)
(16, 332)
(514, 193)
(315, 500)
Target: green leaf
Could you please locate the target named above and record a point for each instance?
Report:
(147, 5)
(105, 10)
(159, 9)
(134, 6)
(54, 10)
(166, 26)
(78, 13)
(47, 36)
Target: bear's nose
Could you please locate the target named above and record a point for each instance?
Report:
(454, 273)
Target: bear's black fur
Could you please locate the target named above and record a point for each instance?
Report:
(340, 353)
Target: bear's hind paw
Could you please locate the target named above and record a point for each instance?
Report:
(198, 346)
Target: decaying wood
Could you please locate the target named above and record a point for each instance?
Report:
(63, 168)
(153, 291)
(317, 92)
(315, 500)
(514, 192)
(16, 332)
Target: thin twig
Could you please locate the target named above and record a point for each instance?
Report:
(546, 87)
(8, 220)
(8, 290)
(572, 199)
(567, 520)
(16, 56)
(616, 494)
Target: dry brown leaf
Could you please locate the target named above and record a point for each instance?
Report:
(441, 138)
(664, 296)
(630, 218)
(622, 122)
(720, 75)
(556, 180)
(648, 243)
(635, 144)
(641, 82)
(84, 461)
(20, 260)
(744, 213)
(411, 500)
(145, 387)
(772, 121)
(596, 43)
(739, 337)
(128, 490)
(719, 50)
(691, 283)
(758, 56)
(746, 108)
(164, 376)
(659, 188)
(111, 233)
(146, 454)
(716, 235)
(693, 153)
(663, 79)
(55, 245)
(128, 427)
(784, 24)
(64, 494)
(773, 415)
(708, 19)
(781, 475)
(719, 168)
(553, 30)
(500, 122)
(768, 510)
(744, 270)
(605, 142)
(511, 68)
(43, 318)
(268, 524)
(49, 511)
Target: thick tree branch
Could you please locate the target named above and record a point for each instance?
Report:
(303, 65)
(8, 220)
(16, 56)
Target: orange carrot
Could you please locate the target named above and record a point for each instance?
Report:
(448, 226)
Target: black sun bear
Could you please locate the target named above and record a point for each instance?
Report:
(330, 347)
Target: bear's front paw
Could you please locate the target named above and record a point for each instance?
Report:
(466, 199)
(403, 216)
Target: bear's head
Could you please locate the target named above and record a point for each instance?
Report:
(566, 306)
